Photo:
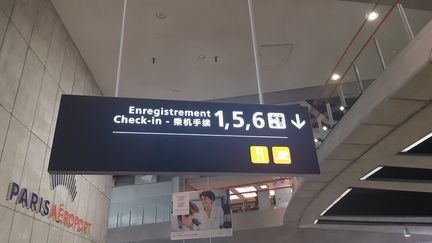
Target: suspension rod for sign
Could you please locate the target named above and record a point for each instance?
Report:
(255, 49)
(120, 49)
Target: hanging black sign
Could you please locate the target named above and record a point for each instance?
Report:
(105, 135)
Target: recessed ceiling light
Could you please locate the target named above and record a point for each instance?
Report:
(335, 76)
(161, 15)
(249, 195)
(316, 140)
(342, 108)
(263, 186)
(325, 128)
(372, 16)
(246, 189)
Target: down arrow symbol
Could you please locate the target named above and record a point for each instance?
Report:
(297, 123)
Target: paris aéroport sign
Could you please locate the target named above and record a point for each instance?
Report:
(105, 135)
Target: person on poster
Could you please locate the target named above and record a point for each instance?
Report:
(188, 222)
(212, 217)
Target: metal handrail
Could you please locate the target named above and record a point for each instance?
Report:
(354, 38)
(325, 105)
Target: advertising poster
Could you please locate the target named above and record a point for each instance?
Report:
(205, 214)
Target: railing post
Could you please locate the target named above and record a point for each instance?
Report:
(405, 21)
(130, 217)
(330, 114)
(381, 57)
(359, 81)
(142, 218)
(118, 218)
(342, 96)
(320, 127)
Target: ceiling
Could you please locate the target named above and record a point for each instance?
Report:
(300, 42)
(417, 4)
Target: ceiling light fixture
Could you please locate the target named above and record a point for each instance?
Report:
(372, 16)
(263, 186)
(249, 195)
(325, 128)
(407, 232)
(246, 189)
(316, 140)
(272, 192)
(335, 77)
(342, 108)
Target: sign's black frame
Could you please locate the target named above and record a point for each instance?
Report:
(85, 141)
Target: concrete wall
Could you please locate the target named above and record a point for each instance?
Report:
(38, 63)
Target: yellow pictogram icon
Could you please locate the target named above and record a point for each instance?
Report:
(259, 154)
(281, 155)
